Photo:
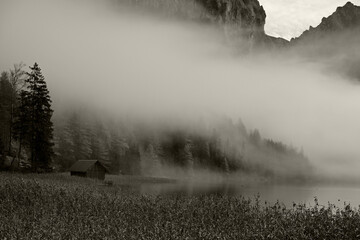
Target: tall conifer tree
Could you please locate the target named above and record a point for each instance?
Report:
(35, 128)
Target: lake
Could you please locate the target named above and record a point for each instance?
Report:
(270, 193)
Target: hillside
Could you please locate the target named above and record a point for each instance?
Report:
(343, 19)
(335, 42)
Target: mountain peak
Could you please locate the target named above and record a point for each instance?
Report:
(345, 17)
(348, 4)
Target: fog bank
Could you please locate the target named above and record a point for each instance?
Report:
(126, 64)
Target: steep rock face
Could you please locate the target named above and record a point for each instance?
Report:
(344, 18)
(243, 21)
(246, 15)
(335, 41)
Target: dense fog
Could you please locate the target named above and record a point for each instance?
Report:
(121, 63)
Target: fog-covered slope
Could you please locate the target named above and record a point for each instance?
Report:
(335, 42)
(242, 21)
(344, 18)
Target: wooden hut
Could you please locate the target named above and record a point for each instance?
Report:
(88, 168)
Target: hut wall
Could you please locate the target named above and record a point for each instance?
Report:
(78, 174)
(96, 171)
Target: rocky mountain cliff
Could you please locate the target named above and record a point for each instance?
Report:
(344, 18)
(245, 19)
(242, 21)
(335, 41)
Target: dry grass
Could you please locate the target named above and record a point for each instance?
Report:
(61, 207)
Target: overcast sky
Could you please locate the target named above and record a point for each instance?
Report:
(285, 18)
(289, 18)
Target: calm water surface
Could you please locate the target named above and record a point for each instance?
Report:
(287, 194)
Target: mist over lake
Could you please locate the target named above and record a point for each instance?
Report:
(163, 100)
(122, 63)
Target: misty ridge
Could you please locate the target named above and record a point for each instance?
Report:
(196, 85)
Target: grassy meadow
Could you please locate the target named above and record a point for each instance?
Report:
(53, 206)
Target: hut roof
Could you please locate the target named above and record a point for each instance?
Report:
(84, 165)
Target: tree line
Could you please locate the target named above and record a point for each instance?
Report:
(135, 147)
(26, 128)
(29, 139)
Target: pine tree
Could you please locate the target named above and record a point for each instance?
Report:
(65, 148)
(115, 152)
(189, 160)
(35, 128)
(155, 149)
(255, 137)
(5, 95)
(100, 145)
(215, 149)
(22, 123)
(150, 163)
(16, 79)
(2, 157)
(225, 166)
(201, 150)
(78, 136)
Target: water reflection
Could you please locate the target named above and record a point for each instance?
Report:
(269, 193)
